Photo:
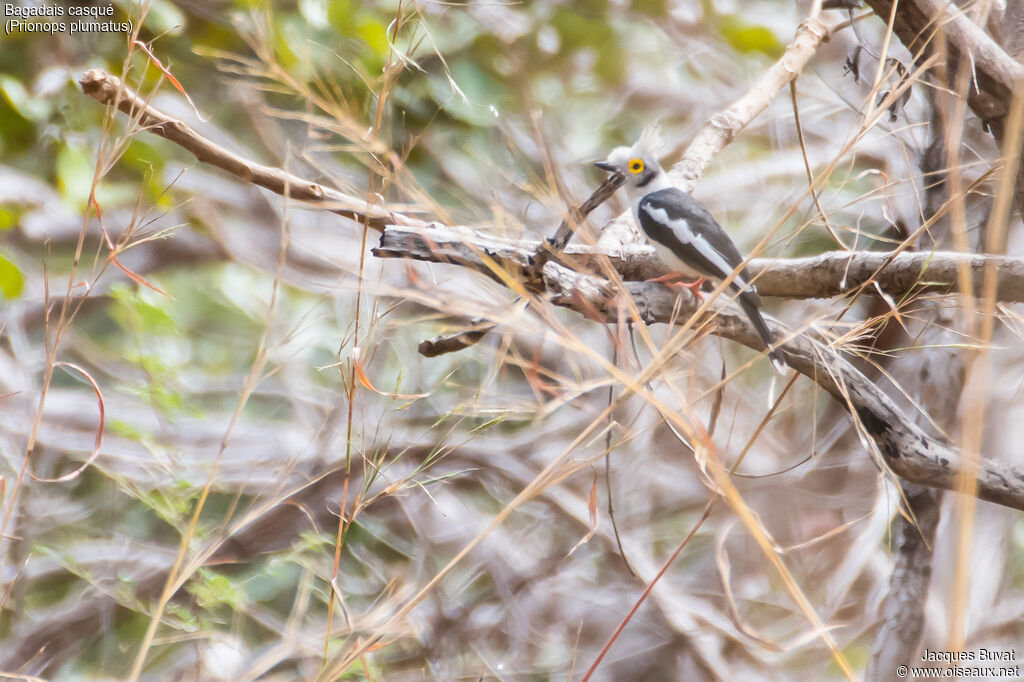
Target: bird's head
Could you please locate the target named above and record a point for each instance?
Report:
(638, 164)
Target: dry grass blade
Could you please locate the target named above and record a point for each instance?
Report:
(101, 418)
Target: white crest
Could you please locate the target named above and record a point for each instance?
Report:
(650, 140)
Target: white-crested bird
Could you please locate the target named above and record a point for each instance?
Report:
(685, 235)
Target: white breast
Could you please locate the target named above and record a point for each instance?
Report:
(673, 263)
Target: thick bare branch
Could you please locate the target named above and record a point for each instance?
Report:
(998, 74)
(824, 276)
(997, 77)
(840, 272)
(903, 608)
(109, 89)
(905, 448)
(938, 371)
(1012, 29)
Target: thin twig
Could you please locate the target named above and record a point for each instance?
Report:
(807, 167)
(109, 89)
(572, 221)
(455, 342)
(542, 254)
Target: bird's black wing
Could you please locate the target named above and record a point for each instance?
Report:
(679, 222)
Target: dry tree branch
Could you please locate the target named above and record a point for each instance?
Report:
(453, 343)
(939, 370)
(823, 276)
(568, 227)
(906, 448)
(108, 89)
(837, 273)
(1012, 29)
(997, 75)
(545, 251)
(723, 126)
(815, 277)
(902, 613)
(991, 83)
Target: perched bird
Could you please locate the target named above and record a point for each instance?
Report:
(683, 233)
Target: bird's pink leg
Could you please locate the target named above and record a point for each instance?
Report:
(693, 286)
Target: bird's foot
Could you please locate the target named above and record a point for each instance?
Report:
(672, 279)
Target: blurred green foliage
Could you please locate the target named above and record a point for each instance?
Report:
(11, 280)
(746, 37)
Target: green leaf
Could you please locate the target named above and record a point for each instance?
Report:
(8, 218)
(124, 429)
(470, 94)
(339, 14)
(374, 34)
(75, 170)
(136, 312)
(12, 282)
(213, 589)
(746, 37)
(31, 108)
(162, 17)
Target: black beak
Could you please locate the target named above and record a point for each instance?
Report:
(605, 166)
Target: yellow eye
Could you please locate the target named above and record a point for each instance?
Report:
(636, 166)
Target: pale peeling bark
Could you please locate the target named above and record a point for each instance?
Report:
(824, 276)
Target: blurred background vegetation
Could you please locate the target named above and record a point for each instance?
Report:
(230, 389)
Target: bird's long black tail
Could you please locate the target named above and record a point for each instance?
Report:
(753, 310)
